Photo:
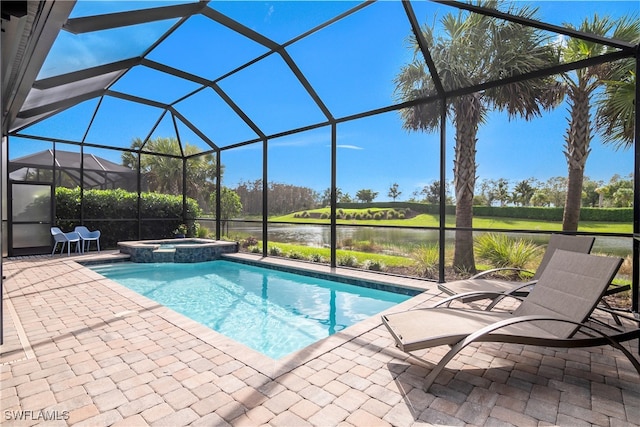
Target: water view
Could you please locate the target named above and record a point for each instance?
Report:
(320, 236)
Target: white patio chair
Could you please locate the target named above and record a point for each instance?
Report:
(88, 237)
(60, 236)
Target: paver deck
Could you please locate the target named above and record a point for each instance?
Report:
(82, 350)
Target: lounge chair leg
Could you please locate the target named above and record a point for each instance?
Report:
(614, 315)
(430, 379)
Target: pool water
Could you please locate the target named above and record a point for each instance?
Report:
(271, 311)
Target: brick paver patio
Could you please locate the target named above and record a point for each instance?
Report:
(82, 350)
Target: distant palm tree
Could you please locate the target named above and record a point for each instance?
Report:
(164, 173)
(523, 191)
(475, 49)
(582, 85)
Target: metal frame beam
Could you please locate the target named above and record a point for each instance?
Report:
(536, 24)
(123, 19)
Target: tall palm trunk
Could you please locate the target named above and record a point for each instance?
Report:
(464, 170)
(576, 151)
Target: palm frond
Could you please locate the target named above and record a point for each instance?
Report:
(615, 117)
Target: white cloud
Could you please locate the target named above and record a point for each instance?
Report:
(270, 10)
(350, 147)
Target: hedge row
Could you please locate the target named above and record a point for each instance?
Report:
(520, 212)
(422, 208)
(115, 214)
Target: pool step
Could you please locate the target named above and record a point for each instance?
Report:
(164, 255)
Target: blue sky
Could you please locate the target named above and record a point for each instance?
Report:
(351, 65)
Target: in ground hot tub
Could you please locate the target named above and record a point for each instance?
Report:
(176, 250)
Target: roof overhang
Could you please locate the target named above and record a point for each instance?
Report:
(26, 41)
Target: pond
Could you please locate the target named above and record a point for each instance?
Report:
(320, 236)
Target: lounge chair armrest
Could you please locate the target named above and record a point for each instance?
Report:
(530, 283)
(488, 295)
(495, 270)
(513, 293)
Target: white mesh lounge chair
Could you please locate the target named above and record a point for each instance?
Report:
(88, 237)
(554, 314)
(60, 236)
(495, 289)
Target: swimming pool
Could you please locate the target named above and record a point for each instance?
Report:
(273, 312)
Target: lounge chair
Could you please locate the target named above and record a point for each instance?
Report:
(495, 289)
(60, 236)
(88, 237)
(552, 315)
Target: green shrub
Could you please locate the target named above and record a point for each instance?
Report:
(425, 258)
(373, 265)
(249, 241)
(255, 249)
(347, 243)
(377, 216)
(499, 250)
(606, 214)
(275, 251)
(316, 257)
(295, 255)
(347, 261)
(201, 231)
(365, 246)
(522, 212)
(115, 214)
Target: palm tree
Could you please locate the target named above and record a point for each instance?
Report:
(582, 85)
(502, 191)
(474, 49)
(523, 191)
(164, 173)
